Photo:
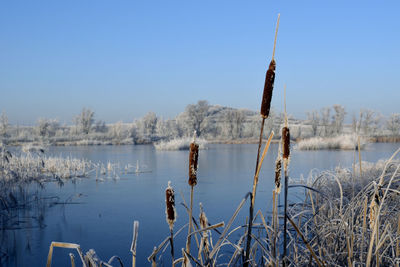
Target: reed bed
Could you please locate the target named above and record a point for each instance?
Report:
(333, 225)
(180, 144)
(342, 142)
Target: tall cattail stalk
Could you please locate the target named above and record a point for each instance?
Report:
(193, 160)
(170, 213)
(286, 158)
(265, 109)
(275, 193)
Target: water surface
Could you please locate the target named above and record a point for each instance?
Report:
(104, 218)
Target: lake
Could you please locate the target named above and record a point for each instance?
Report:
(101, 213)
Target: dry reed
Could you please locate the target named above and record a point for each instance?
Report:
(170, 212)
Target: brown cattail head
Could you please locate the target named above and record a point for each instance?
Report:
(278, 172)
(170, 211)
(268, 87)
(193, 158)
(373, 209)
(285, 143)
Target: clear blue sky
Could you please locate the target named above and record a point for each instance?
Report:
(125, 58)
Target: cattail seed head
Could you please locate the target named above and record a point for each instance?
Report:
(286, 142)
(193, 159)
(373, 210)
(278, 172)
(170, 206)
(268, 87)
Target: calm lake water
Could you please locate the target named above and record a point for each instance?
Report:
(103, 219)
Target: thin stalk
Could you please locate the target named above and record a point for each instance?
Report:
(252, 198)
(285, 218)
(190, 224)
(313, 255)
(171, 240)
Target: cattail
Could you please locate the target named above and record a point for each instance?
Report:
(170, 206)
(278, 171)
(286, 142)
(373, 210)
(193, 159)
(268, 87)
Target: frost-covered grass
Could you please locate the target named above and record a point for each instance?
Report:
(23, 174)
(351, 218)
(180, 144)
(343, 142)
(31, 166)
(345, 217)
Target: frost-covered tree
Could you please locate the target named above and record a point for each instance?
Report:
(46, 127)
(100, 126)
(369, 121)
(325, 120)
(354, 124)
(194, 117)
(3, 124)
(393, 124)
(84, 121)
(117, 131)
(233, 123)
(146, 127)
(162, 128)
(338, 119)
(313, 119)
(149, 123)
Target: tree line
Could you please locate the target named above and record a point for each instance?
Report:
(211, 122)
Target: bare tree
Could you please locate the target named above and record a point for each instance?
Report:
(393, 123)
(84, 120)
(354, 123)
(325, 120)
(3, 124)
(369, 121)
(46, 127)
(313, 119)
(338, 118)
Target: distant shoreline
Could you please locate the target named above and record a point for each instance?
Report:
(89, 142)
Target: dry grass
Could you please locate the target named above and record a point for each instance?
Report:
(180, 144)
(342, 142)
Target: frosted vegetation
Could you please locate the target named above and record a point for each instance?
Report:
(342, 142)
(180, 144)
(31, 164)
(351, 216)
(211, 122)
(23, 173)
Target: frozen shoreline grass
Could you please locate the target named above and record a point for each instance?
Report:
(341, 142)
(337, 223)
(180, 144)
(35, 166)
(351, 218)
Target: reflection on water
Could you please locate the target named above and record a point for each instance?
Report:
(102, 212)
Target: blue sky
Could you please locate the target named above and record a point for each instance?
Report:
(125, 58)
